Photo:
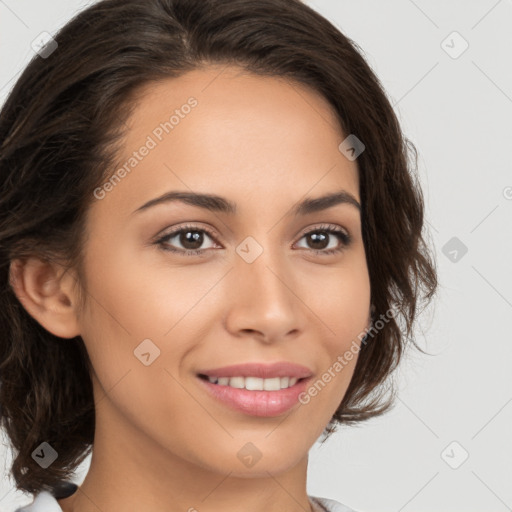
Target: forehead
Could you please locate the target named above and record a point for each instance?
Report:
(232, 88)
(233, 133)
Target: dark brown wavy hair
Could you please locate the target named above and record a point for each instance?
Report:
(60, 130)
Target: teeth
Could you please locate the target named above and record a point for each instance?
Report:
(255, 383)
(236, 382)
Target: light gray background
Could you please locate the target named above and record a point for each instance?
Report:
(458, 113)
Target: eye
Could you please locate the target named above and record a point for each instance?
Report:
(190, 237)
(322, 236)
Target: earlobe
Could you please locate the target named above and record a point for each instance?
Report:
(44, 290)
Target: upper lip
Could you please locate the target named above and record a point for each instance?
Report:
(261, 370)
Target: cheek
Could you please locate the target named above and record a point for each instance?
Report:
(342, 309)
(124, 328)
(144, 292)
(131, 301)
(340, 298)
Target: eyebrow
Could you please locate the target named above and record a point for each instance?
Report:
(219, 204)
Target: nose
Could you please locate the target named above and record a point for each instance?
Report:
(263, 301)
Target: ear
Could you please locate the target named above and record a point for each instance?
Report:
(45, 290)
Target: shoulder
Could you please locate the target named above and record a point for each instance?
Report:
(46, 501)
(330, 505)
(43, 501)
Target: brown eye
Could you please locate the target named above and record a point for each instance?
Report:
(326, 240)
(319, 239)
(191, 239)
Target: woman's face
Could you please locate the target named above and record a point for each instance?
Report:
(261, 290)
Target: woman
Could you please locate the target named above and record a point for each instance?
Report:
(210, 234)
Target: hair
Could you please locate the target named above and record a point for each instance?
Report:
(60, 132)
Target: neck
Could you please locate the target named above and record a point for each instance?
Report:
(130, 471)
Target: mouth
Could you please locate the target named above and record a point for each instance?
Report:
(255, 396)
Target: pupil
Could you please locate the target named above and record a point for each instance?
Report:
(196, 238)
(321, 236)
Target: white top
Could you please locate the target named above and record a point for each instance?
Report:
(44, 501)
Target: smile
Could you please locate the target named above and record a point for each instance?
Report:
(254, 383)
(248, 395)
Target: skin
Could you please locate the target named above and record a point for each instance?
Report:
(162, 442)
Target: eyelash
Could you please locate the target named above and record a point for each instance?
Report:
(344, 238)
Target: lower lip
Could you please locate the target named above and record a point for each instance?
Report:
(257, 403)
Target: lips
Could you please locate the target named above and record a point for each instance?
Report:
(253, 402)
(261, 370)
